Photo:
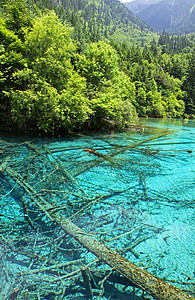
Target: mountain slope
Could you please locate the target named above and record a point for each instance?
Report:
(109, 18)
(176, 16)
(137, 6)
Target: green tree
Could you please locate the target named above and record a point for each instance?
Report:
(189, 87)
(17, 16)
(49, 50)
(51, 95)
(141, 103)
(178, 69)
(40, 107)
(174, 107)
(114, 102)
(155, 106)
(110, 91)
(99, 63)
(11, 60)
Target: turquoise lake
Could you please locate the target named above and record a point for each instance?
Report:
(133, 191)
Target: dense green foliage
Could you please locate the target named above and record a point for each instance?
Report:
(56, 77)
(176, 44)
(108, 18)
(158, 92)
(110, 91)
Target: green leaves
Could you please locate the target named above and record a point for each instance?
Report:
(99, 63)
(48, 95)
(18, 17)
(49, 33)
(9, 39)
(42, 108)
(11, 60)
(74, 103)
(35, 107)
(110, 91)
(188, 86)
(49, 50)
(49, 85)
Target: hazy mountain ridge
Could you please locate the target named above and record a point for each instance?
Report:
(176, 16)
(137, 6)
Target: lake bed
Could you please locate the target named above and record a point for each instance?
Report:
(133, 191)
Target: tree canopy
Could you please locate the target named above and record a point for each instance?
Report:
(52, 79)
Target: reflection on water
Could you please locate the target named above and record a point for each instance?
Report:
(134, 192)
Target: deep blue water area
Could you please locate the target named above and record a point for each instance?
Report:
(134, 191)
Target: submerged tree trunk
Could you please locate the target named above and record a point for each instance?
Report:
(160, 289)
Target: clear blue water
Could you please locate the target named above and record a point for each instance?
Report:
(138, 199)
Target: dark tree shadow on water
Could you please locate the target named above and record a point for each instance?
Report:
(110, 293)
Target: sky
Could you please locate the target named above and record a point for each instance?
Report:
(148, 1)
(126, 0)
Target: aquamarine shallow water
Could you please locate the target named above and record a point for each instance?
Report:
(141, 198)
(154, 188)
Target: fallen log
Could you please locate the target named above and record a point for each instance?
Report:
(159, 289)
(136, 144)
(99, 154)
(120, 150)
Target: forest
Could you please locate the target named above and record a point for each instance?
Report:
(59, 73)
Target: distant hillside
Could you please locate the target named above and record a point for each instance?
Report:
(108, 18)
(137, 6)
(175, 16)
